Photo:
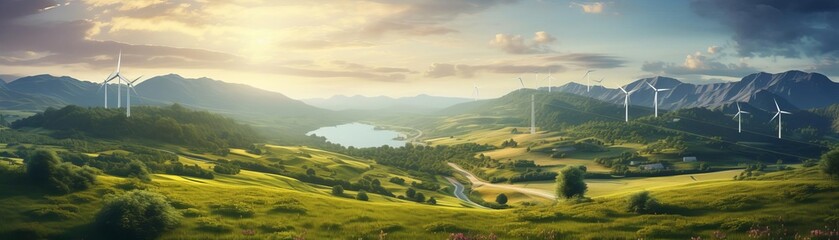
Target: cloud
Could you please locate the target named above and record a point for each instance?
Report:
(588, 60)
(699, 64)
(324, 44)
(777, 28)
(518, 45)
(421, 18)
(714, 49)
(593, 7)
(440, 70)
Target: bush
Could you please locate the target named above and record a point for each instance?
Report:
(337, 190)
(501, 199)
(570, 182)
(235, 209)
(228, 169)
(362, 196)
(46, 169)
(830, 162)
(397, 180)
(137, 215)
(432, 201)
(642, 202)
(213, 226)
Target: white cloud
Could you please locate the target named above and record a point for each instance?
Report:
(516, 44)
(593, 7)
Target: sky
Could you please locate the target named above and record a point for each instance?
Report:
(320, 48)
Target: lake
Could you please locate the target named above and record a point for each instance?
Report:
(359, 135)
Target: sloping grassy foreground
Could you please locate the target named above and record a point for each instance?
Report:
(264, 206)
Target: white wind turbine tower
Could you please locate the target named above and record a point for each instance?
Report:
(738, 116)
(475, 91)
(626, 101)
(778, 115)
(655, 98)
(130, 85)
(588, 80)
(550, 79)
(111, 77)
(532, 114)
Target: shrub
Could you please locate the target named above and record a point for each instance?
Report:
(137, 215)
(419, 197)
(229, 169)
(830, 162)
(570, 182)
(45, 168)
(443, 227)
(362, 196)
(642, 202)
(501, 199)
(289, 205)
(432, 201)
(235, 209)
(213, 225)
(337, 190)
(397, 180)
(192, 212)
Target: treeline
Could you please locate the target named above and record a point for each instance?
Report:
(137, 164)
(424, 159)
(174, 124)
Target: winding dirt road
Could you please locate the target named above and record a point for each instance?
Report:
(477, 182)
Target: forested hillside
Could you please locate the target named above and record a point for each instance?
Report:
(173, 124)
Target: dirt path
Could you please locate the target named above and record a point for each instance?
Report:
(477, 182)
(459, 193)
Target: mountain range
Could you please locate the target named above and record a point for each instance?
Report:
(792, 89)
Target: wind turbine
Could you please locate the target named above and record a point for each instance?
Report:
(626, 101)
(475, 91)
(111, 77)
(130, 85)
(588, 80)
(532, 114)
(655, 98)
(521, 82)
(600, 81)
(778, 115)
(550, 79)
(738, 116)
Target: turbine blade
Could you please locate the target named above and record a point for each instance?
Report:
(776, 105)
(735, 115)
(738, 107)
(119, 60)
(648, 84)
(785, 112)
(662, 90)
(624, 90)
(776, 115)
(745, 112)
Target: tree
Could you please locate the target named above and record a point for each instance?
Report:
(830, 162)
(137, 215)
(501, 199)
(642, 202)
(570, 182)
(410, 193)
(419, 197)
(46, 169)
(362, 196)
(337, 190)
(432, 201)
(310, 172)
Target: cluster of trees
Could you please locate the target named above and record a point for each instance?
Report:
(642, 203)
(426, 159)
(397, 180)
(225, 168)
(16, 138)
(533, 174)
(45, 168)
(509, 143)
(676, 143)
(138, 164)
(830, 162)
(415, 196)
(427, 185)
(174, 124)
